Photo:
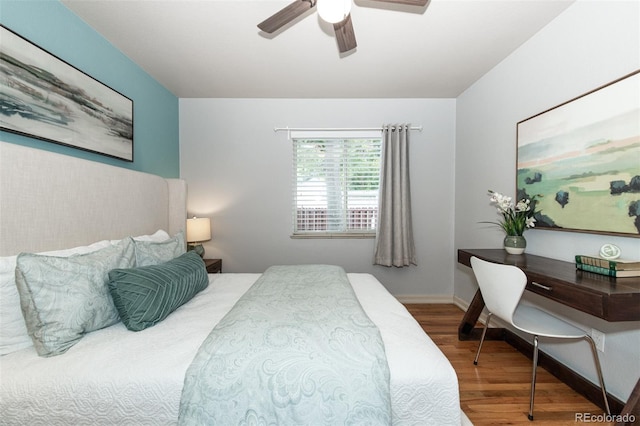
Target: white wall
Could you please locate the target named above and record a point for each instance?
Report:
(239, 172)
(590, 44)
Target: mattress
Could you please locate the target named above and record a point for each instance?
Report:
(117, 377)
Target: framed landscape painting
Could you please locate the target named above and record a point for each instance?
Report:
(582, 161)
(43, 97)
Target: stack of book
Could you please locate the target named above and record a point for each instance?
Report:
(613, 268)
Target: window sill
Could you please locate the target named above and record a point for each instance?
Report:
(334, 235)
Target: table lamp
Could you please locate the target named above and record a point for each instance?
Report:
(198, 231)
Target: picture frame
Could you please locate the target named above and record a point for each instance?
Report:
(581, 161)
(44, 97)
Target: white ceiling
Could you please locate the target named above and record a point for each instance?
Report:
(213, 48)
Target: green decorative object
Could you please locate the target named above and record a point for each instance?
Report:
(515, 219)
(610, 251)
(198, 248)
(515, 244)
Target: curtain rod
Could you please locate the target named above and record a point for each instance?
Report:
(319, 129)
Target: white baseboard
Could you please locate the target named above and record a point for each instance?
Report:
(443, 299)
(435, 298)
(460, 303)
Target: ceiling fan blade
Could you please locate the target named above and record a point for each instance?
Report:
(407, 2)
(286, 15)
(344, 35)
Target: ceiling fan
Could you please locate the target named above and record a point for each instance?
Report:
(336, 12)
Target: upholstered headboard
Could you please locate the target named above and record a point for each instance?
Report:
(50, 201)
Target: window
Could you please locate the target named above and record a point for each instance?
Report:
(335, 183)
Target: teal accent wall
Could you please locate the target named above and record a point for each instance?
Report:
(53, 27)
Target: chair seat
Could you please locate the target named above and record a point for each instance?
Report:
(535, 321)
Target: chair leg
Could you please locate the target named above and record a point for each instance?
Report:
(533, 375)
(594, 351)
(484, 333)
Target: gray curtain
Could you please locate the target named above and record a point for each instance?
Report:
(394, 236)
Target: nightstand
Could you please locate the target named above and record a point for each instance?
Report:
(214, 266)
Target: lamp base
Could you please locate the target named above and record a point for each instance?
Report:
(197, 248)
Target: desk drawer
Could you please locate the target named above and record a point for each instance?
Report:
(569, 295)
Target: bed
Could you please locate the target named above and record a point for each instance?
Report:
(51, 202)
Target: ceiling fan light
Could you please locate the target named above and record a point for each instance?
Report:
(333, 11)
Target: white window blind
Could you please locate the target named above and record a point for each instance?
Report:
(336, 183)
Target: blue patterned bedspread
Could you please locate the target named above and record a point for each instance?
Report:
(297, 349)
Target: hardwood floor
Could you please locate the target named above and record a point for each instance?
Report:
(496, 391)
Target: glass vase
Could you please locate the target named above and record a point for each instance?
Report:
(515, 244)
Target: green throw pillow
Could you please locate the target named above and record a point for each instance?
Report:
(63, 298)
(146, 295)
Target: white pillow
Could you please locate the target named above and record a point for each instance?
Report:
(159, 236)
(13, 331)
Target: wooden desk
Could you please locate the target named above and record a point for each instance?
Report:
(604, 297)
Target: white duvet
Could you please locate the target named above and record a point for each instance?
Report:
(118, 377)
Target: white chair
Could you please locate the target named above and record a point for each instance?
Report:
(501, 287)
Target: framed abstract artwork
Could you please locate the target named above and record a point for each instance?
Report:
(582, 161)
(44, 97)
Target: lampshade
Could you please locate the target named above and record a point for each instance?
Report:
(198, 229)
(333, 11)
